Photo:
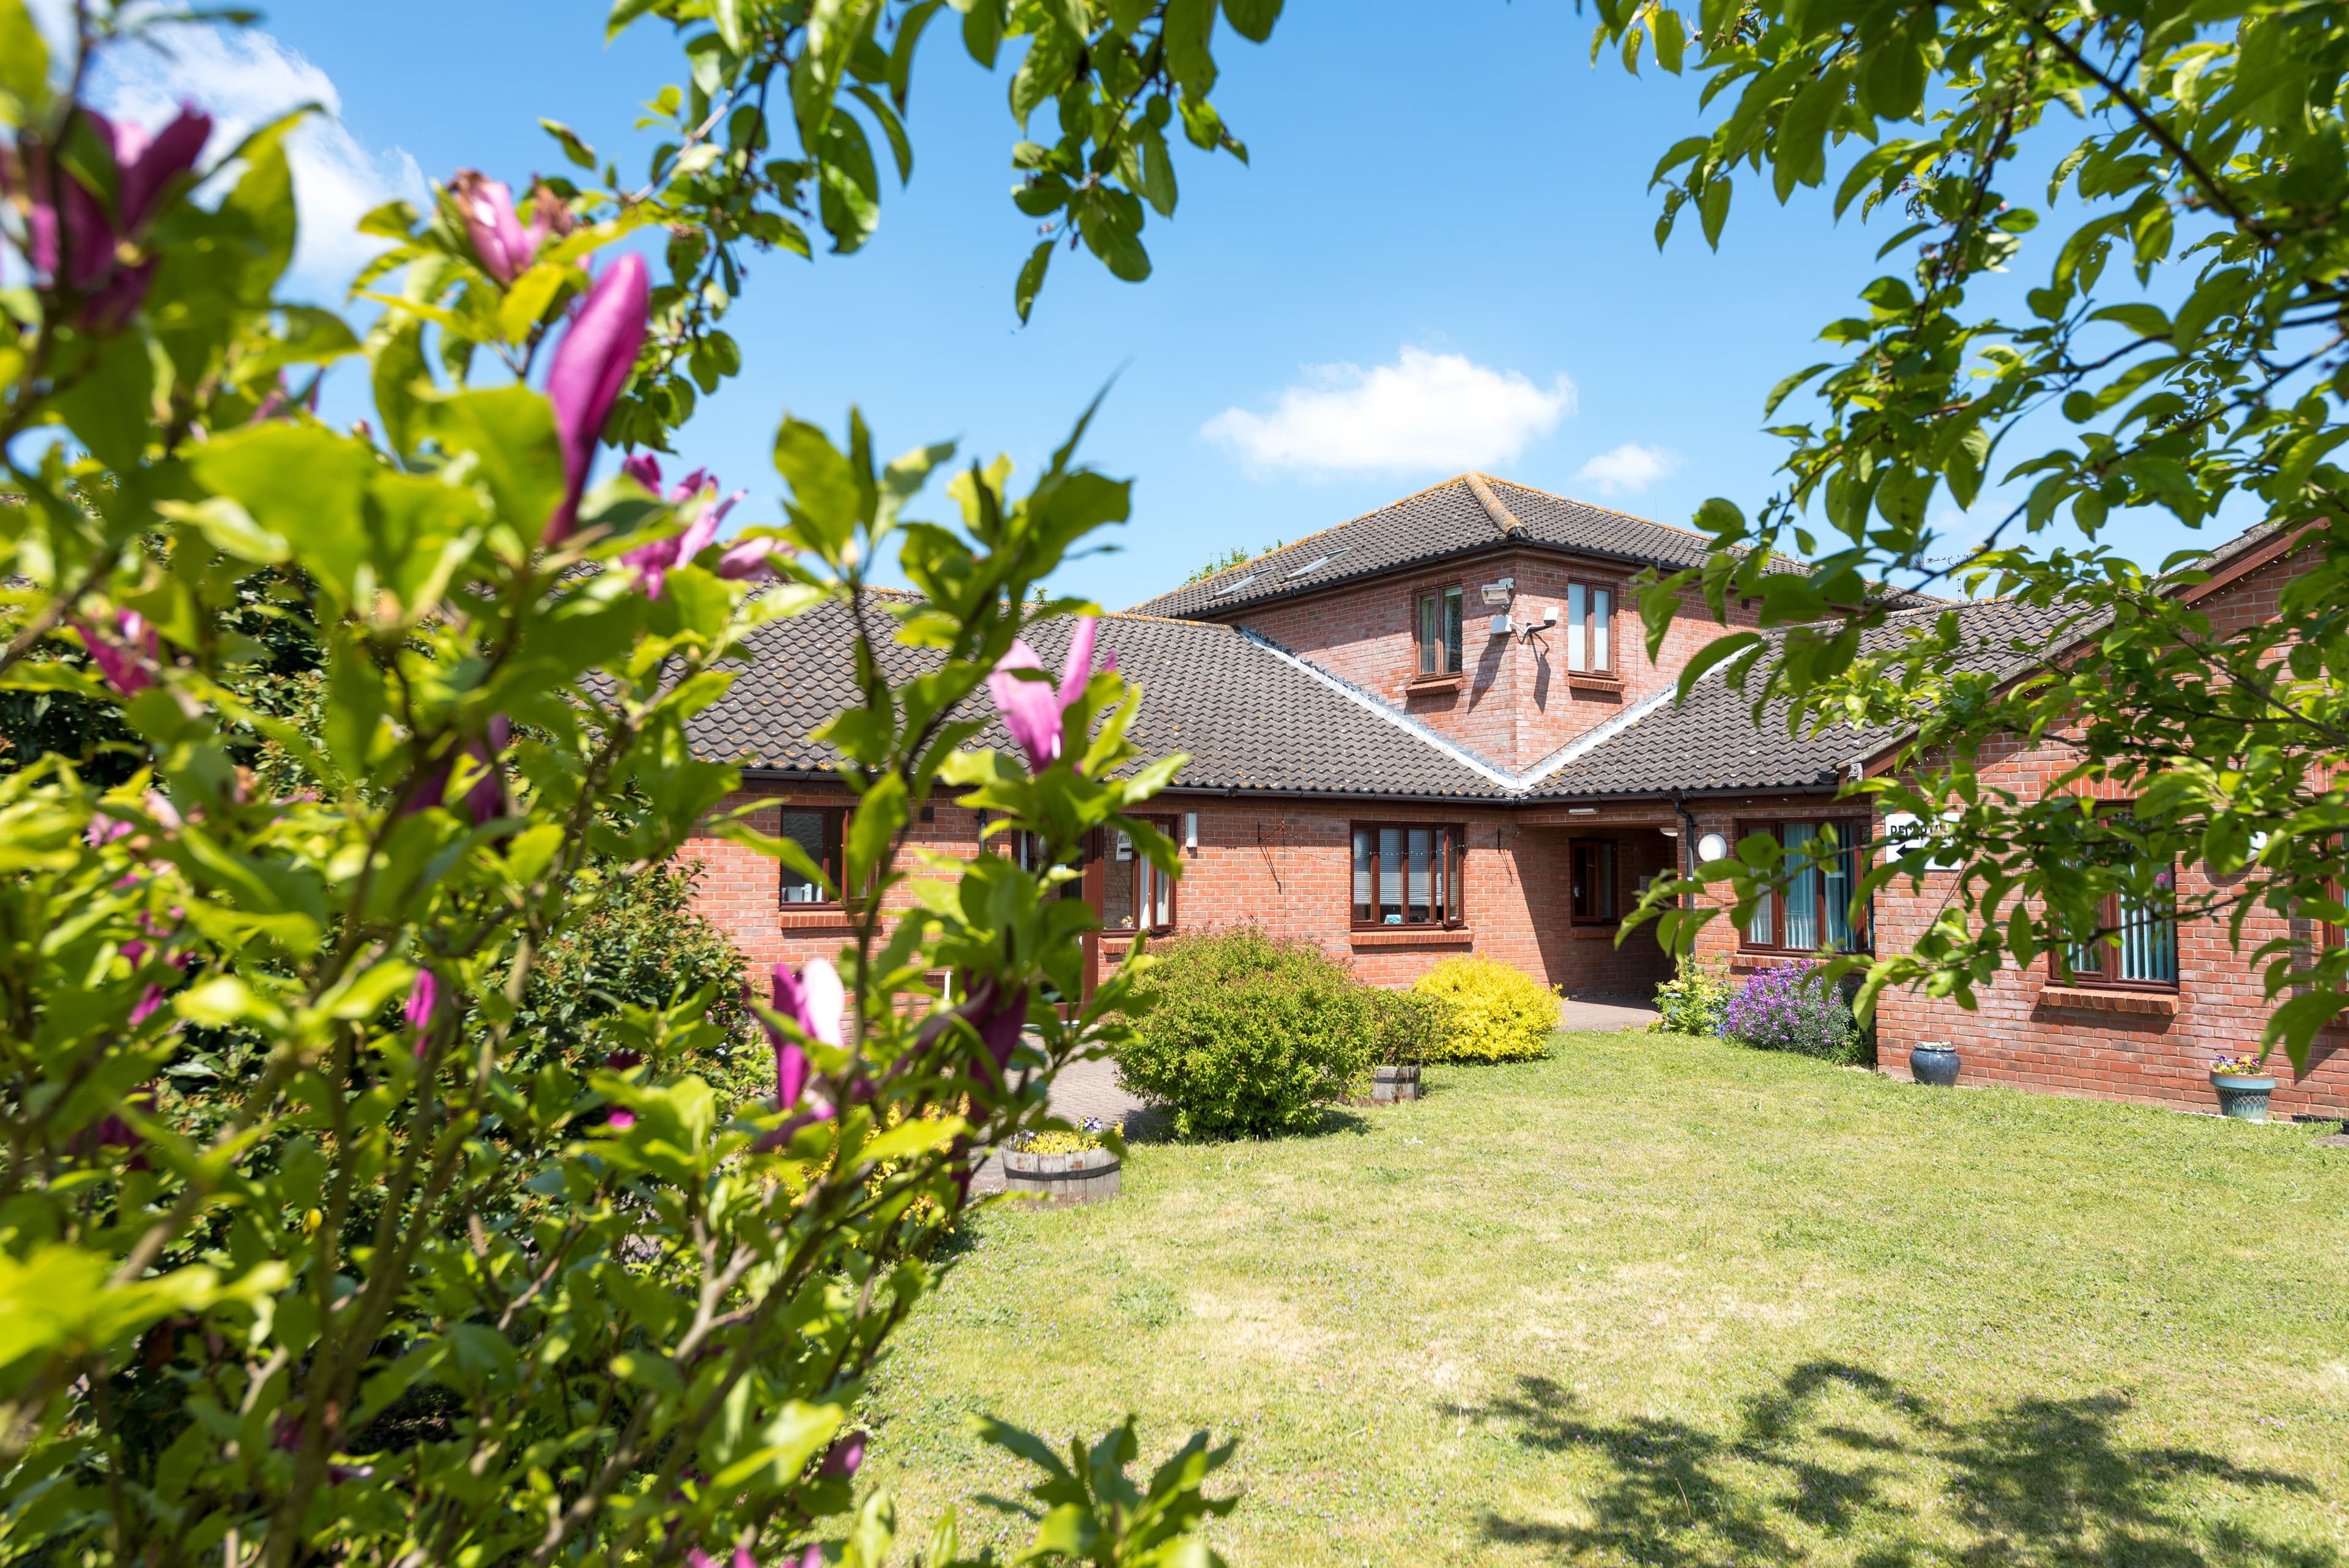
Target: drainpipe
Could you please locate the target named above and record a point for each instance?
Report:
(1688, 848)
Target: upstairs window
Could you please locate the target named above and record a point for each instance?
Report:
(1408, 873)
(1439, 631)
(1592, 900)
(816, 830)
(1825, 862)
(1589, 628)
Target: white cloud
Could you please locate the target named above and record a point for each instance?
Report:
(1423, 411)
(243, 79)
(1627, 469)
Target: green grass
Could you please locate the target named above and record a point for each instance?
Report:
(1666, 1301)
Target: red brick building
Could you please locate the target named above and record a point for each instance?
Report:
(1436, 729)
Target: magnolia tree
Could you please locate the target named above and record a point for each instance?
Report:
(304, 1252)
(2181, 353)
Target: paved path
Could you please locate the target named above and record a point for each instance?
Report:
(1605, 1014)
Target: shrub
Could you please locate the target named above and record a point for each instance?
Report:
(1497, 1014)
(1792, 1008)
(1407, 1026)
(1246, 1036)
(1692, 1001)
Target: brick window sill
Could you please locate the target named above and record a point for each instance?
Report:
(1409, 936)
(1432, 685)
(2145, 1003)
(814, 919)
(1584, 682)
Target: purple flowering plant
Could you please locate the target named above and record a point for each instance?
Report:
(1793, 1007)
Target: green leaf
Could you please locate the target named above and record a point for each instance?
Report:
(578, 151)
(112, 408)
(509, 431)
(1032, 279)
(1713, 208)
(982, 30)
(24, 66)
(1188, 33)
(300, 484)
(1719, 650)
(825, 502)
(624, 12)
(1894, 78)
(1671, 37)
(1252, 19)
(229, 528)
(901, 51)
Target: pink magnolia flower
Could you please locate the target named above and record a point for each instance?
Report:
(125, 664)
(1034, 712)
(505, 245)
(752, 558)
(592, 364)
(486, 801)
(104, 830)
(620, 1121)
(812, 998)
(698, 1558)
(70, 236)
(654, 561)
(422, 998)
(845, 1457)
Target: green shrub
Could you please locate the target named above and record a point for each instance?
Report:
(1246, 1036)
(1692, 1001)
(1407, 1026)
(1500, 1013)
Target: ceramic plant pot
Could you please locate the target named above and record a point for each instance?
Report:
(1389, 1085)
(1934, 1062)
(2242, 1097)
(1088, 1176)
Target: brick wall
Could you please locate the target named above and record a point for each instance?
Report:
(1288, 866)
(1516, 701)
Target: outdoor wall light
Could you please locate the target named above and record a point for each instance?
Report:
(1711, 846)
(1191, 831)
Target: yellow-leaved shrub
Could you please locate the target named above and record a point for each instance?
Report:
(1498, 1013)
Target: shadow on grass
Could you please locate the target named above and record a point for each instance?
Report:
(1155, 1124)
(2042, 1482)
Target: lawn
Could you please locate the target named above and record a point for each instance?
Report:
(1668, 1301)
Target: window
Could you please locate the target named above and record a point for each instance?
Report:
(1826, 861)
(1136, 895)
(817, 831)
(1592, 900)
(2139, 947)
(1408, 873)
(1439, 631)
(1589, 628)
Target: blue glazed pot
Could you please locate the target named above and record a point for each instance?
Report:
(2242, 1098)
(1934, 1064)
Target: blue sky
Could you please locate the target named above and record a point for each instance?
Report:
(1440, 256)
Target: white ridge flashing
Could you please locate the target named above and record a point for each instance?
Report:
(1516, 784)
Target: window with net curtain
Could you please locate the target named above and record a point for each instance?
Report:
(1589, 628)
(1438, 631)
(1408, 873)
(1136, 895)
(2136, 944)
(1825, 862)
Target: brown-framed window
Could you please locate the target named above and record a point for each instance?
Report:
(1827, 857)
(2137, 949)
(817, 829)
(1438, 630)
(1591, 899)
(1135, 895)
(1589, 628)
(1409, 874)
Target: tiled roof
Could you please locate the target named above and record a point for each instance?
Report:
(1711, 742)
(1250, 719)
(1449, 519)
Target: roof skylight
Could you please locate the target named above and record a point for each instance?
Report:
(1319, 561)
(1235, 584)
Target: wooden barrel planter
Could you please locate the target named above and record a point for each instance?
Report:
(1088, 1176)
(1389, 1085)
